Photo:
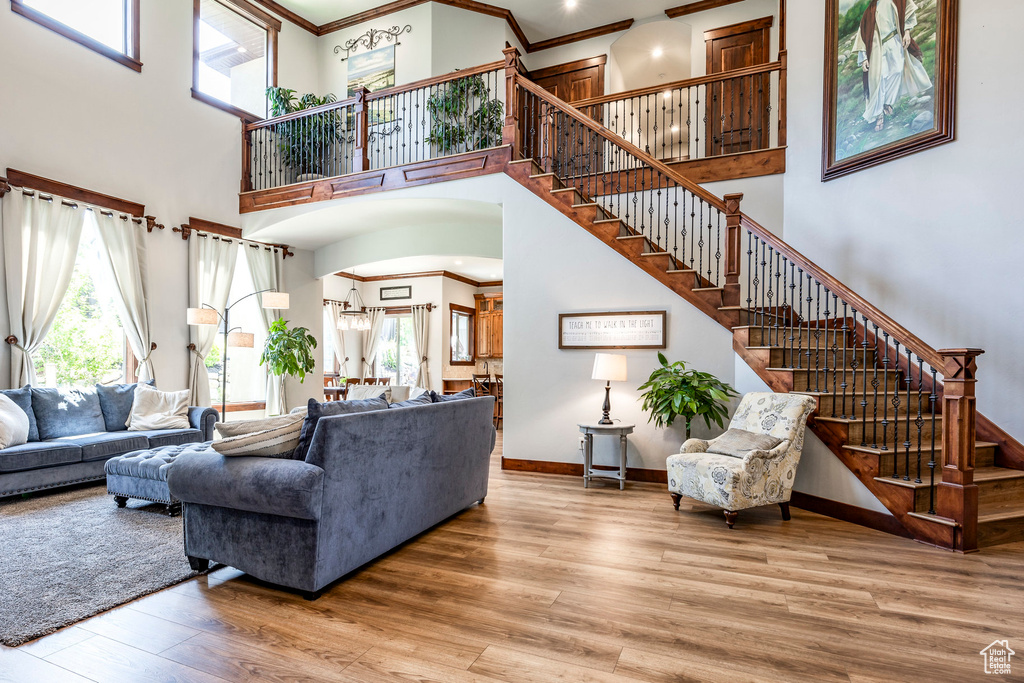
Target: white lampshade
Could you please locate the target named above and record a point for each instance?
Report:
(610, 367)
(275, 300)
(241, 340)
(202, 316)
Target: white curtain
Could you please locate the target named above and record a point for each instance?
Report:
(124, 254)
(420, 328)
(265, 266)
(371, 339)
(211, 268)
(40, 239)
(332, 312)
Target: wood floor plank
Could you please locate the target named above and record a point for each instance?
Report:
(548, 581)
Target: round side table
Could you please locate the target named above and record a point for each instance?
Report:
(589, 430)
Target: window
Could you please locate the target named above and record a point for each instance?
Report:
(396, 352)
(86, 345)
(463, 330)
(109, 27)
(246, 378)
(235, 56)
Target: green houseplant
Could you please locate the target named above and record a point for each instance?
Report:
(306, 143)
(673, 391)
(288, 351)
(464, 116)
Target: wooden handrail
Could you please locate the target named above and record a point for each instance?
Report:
(444, 78)
(274, 120)
(570, 111)
(687, 83)
(856, 301)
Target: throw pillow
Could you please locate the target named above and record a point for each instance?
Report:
(278, 441)
(116, 404)
(13, 423)
(441, 398)
(23, 399)
(421, 400)
(67, 412)
(738, 442)
(155, 409)
(242, 427)
(362, 391)
(318, 410)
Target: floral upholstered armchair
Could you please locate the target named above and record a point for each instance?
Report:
(752, 464)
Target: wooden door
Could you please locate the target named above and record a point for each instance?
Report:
(738, 115)
(483, 327)
(572, 82)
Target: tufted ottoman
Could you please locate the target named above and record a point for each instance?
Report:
(143, 474)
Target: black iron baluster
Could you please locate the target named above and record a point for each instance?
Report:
(794, 315)
(895, 401)
(885, 399)
(750, 269)
(906, 441)
(718, 247)
(932, 400)
(874, 386)
(835, 349)
(919, 422)
(817, 331)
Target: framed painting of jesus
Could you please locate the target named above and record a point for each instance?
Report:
(890, 80)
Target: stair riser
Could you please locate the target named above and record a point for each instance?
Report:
(832, 382)
(1000, 491)
(792, 356)
(893, 435)
(568, 197)
(817, 340)
(831, 405)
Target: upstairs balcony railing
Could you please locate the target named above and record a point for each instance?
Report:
(428, 119)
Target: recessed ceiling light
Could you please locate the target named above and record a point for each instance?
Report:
(494, 275)
(656, 52)
(569, 4)
(458, 263)
(242, 49)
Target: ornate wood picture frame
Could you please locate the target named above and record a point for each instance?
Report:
(887, 96)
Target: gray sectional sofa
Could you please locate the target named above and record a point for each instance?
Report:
(73, 433)
(369, 482)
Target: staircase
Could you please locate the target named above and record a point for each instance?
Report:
(897, 413)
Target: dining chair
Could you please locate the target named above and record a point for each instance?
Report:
(499, 392)
(481, 385)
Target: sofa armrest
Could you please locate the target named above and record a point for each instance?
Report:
(777, 452)
(203, 419)
(273, 486)
(694, 446)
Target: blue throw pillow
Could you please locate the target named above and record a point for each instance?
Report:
(421, 400)
(116, 404)
(317, 410)
(441, 398)
(67, 412)
(23, 399)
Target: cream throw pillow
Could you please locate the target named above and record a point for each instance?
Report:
(155, 409)
(13, 423)
(363, 391)
(278, 441)
(242, 427)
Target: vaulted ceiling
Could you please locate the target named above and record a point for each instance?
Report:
(539, 19)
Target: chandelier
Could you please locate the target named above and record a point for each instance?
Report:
(353, 316)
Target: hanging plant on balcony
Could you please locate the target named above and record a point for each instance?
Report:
(306, 144)
(464, 116)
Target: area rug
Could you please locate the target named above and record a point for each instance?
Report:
(69, 555)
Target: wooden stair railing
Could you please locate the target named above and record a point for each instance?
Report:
(892, 408)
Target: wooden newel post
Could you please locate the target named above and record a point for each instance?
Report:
(361, 152)
(510, 132)
(731, 295)
(957, 495)
(246, 159)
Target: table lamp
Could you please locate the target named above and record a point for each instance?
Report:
(610, 367)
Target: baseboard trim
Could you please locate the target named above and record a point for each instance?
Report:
(575, 469)
(849, 513)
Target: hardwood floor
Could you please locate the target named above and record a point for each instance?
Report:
(548, 581)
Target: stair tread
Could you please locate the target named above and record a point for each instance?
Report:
(924, 447)
(608, 220)
(934, 518)
(539, 175)
(996, 474)
(899, 481)
(709, 289)
(680, 270)
(655, 253)
(902, 417)
(1000, 513)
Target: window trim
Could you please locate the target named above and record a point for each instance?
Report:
(397, 314)
(471, 312)
(254, 14)
(131, 58)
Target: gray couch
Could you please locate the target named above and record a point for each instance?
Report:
(369, 482)
(73, 433)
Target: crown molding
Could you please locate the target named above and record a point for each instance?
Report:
(432, 273)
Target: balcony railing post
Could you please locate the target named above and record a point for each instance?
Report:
(731, 295)
(957, 495)
(510, 132)
(246, 159)
(361, 147)
(783, 59)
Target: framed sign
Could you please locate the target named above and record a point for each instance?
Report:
(394, 293)
(612, 330)
(890, 80)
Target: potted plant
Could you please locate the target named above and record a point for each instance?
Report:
(305, 143)
(464, 116)
(673, 391)
(288, 351)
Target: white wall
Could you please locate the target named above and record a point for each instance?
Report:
(140, 136)
(932, 239)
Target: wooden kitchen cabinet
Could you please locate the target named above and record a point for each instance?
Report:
(489, 319)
